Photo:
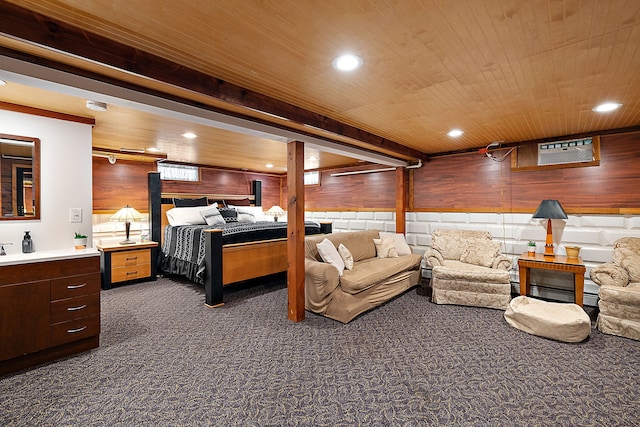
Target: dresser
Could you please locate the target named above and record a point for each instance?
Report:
(124, 263)
(49, 308)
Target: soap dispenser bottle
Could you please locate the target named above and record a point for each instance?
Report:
(27, 243)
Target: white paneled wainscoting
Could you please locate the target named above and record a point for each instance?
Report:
(595, 234)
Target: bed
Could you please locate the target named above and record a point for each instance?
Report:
(219, 255)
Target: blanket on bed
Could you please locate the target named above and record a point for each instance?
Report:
(183, 249)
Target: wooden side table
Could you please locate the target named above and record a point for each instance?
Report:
(557, 263)
(125, 263)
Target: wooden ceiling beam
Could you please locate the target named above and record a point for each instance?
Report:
(31, 27)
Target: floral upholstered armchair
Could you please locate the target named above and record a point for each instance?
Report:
(468, 269)
(619, 282)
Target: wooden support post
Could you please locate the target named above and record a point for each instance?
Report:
(213, 279)
(295, 230)
(401, 199)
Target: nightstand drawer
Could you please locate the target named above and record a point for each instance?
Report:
(75, 308)
(130, 273)
(62, 333)
(130, 258)
(75, 286)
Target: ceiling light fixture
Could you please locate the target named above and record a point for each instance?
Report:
(2, 82)
(96, 106)
(189, 135)
(606, 107)
(455, 133)
(347, 62)
(268, 165)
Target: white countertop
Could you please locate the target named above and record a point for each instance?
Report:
(53, 255)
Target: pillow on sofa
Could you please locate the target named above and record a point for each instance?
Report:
(330, 255)
(346, 256)
(386, 248)
(212, 216)
(480, 252)
(402, 248)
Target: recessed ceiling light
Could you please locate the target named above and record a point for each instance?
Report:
(189, 135)
(268, 165)
(606, 107)
(347, 62)
(153, 149)
(96, 106)
(455, 133)
(2, 83)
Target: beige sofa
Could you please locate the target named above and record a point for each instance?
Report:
(468, 269)
(371, 282)
(619, 292)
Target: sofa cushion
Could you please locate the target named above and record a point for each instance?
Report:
(451, 243)
(402, 248)
(385, 248)
(330, 255)
(371, 271)
(346, 256)
(628, 257)
(480, 252)
(469, 272)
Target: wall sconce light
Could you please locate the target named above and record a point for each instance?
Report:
(549, 209)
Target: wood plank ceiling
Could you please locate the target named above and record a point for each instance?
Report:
(500, 70)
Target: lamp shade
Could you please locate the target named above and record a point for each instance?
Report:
(550, 209)
(275, 211)
(126, 214)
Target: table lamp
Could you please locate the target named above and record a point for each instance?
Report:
(275, 211)
(126, 215)
(549, 209)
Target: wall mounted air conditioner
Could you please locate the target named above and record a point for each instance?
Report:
(561, 152)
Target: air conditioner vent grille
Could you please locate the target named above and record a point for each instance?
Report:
(561, 152)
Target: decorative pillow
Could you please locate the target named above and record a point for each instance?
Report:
(480, 252)
(402, 248)
(246, 217)
(229, 214)
(346, 256)
(255, 211)
(385, 248)
(212, 216)
(330, 255)
(186, 216)
(189, 203)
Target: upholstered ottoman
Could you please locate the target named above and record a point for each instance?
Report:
(554, 320)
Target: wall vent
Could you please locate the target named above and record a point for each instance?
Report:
(562, 152)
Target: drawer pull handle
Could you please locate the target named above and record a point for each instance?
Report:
(73, 331)
(131, 272)
(82, 285)
(132, 258)
(77, 308)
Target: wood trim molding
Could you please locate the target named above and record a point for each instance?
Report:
(8, 106)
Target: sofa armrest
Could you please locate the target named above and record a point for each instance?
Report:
(502, 262)
(320, 280)
(433, 258)
(609, 274)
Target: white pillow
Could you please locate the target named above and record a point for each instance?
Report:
(256, 211)
(346, 256)
(402, 248)
(246, 217)
(186, 216)
(385, 248)
(212, 216)
(330, 255)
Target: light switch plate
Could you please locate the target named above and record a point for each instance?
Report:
(75, 215)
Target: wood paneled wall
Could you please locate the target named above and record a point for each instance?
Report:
(125, 182)
(475, 183)
(460, 183)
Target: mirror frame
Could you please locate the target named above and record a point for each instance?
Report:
(35, 165)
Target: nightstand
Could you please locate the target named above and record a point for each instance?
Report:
(126, 263)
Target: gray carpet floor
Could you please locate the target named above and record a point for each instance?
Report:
(167, 360)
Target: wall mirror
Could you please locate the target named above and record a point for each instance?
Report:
(19, 177)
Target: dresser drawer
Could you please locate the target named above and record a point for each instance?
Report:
(130, 258)
(75, 286)
(74, 330)
(75, 308)
(130, 273)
